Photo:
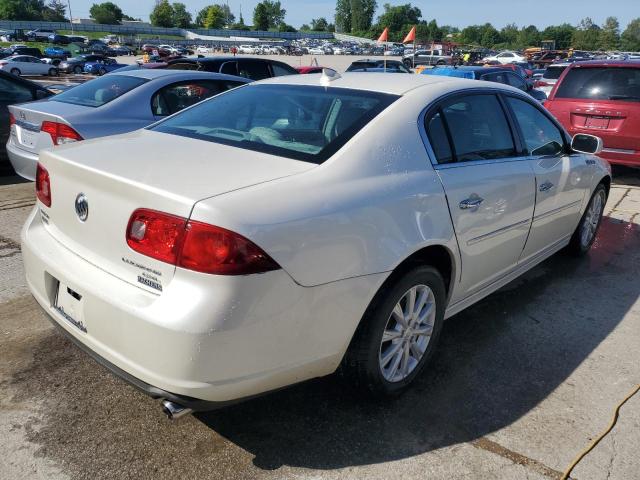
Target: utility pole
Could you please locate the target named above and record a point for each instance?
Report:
(70, 16)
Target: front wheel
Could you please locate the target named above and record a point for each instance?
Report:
(102, 71)
(77, 69)
(586, 231)
(53, 72)
(398, 333)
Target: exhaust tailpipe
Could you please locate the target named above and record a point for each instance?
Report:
(173, 411)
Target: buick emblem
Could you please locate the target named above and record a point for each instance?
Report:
(82, 207)
(22, 116)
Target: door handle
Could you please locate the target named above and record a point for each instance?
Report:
(471, 203)
(546, 186)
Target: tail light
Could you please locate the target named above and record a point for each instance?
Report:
(195, 245)
(541, 83)
(60, 133)
(43, 185)
(12, 119)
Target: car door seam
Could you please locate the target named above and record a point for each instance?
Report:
(486, 236)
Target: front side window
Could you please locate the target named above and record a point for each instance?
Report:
(178, 96)
(13, 93)
(307, 123)
(601, 83)
(477, 127)
(540, 135)
(280, 70)
(99, 91)
(255, 70)
(516, 81)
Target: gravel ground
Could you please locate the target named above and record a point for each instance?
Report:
(521, 382)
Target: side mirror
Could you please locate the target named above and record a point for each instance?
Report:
(584, 143)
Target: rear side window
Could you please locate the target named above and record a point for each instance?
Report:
(279, 70)
(601, 83)
(438, 138)
(540, 135)
(307, 123)
(178, 96)
(99, 91)
(478, 129)
(553, 73)
(516, 81)
(11, 92)
(255, 70)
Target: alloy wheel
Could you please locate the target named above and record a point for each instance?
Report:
(407, 333)
(591, 219)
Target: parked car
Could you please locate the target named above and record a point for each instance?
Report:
(426, 57)
(505, 57)
(310, 69)
(40, 34)
(202, 49)
(100, 67)
(368, 64)
(14, 90)
(550, 76)
(251, 50)
(57, 52)
(76, 64)
(184, 235)
(253, 68)
(20, 50)
(119, 51)
(547, 57)
(59, 39)
(602, 97)
(108, 105)
(489, 74)
(316, 51)
(27, 65)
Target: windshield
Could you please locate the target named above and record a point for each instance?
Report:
(99, 91)
(295, 121)
(601, 83)
(553, 73)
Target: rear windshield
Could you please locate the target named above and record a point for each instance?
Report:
(295, 121)
(601, 83)
(99, 91)
(553, 73)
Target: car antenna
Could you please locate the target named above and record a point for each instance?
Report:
(328, 76)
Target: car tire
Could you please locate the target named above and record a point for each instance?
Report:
(101, 71)
(407, 63)
(369, 362)
(587, 229)
(77, 69)
(53, 72)
(15, 71)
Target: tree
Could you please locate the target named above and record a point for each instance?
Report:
(509, 34)
(395, 17)
(562, 34)
(489, 36)
(268, 14)
(215, 17)
(362, 14)
(21, 9)
(587, 35)
(319, 24)
(260, 17)
(283, 27)
(630, 38)
(181, 18)
(343, 16)
(54, 11)
(107, 13)
(528, 37)
(229, 18)
(610, 34)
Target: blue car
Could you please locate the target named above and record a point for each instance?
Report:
(100, 67)
(56, 52)
(489, 74)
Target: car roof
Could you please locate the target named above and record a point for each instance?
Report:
(153, 73)
(607, 63)
(373, 81)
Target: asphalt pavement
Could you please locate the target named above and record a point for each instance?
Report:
(519, 385)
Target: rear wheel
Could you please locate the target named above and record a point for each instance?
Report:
(15, 71)
(398, 333)
(53, 72)
(101, 71)
(587, 229)
(77, 69)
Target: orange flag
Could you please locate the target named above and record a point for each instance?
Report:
(384, 35)
(411, 36)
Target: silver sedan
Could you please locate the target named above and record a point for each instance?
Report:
(113, 104)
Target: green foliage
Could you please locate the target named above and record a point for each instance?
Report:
(283, 27)
(319, 24)
(562, 34)
(21, 9)
(343, 16)
(362, 12)
(395, 17)
(229, 18)
(215, 18)
(610, 34)
(107, 13)
(586, 36)
(630, 38)
(268, 14)
(162, 14)
(181, 18)
(55, 11)
(260, 17)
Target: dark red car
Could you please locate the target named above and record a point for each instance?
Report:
(309, 69)
(602, 98)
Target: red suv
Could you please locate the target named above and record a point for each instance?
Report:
(602, 98)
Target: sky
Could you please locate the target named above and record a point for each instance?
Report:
(464, 12)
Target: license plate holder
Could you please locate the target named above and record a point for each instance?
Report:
(69, 304)
(28, 138)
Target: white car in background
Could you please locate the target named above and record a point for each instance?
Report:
(505, 57)
(27, 65)
(203, 49)
(301, 224)
(550, 77)
(338, 51)
(247, 49)
(316, 51)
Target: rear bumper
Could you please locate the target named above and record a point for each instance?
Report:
(206, 338)
(24, 162)
(629, 158)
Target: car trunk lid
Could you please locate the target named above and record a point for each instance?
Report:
(126, 172)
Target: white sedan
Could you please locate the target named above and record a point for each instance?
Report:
(505, 57)
(27, 65)
(291, 227)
